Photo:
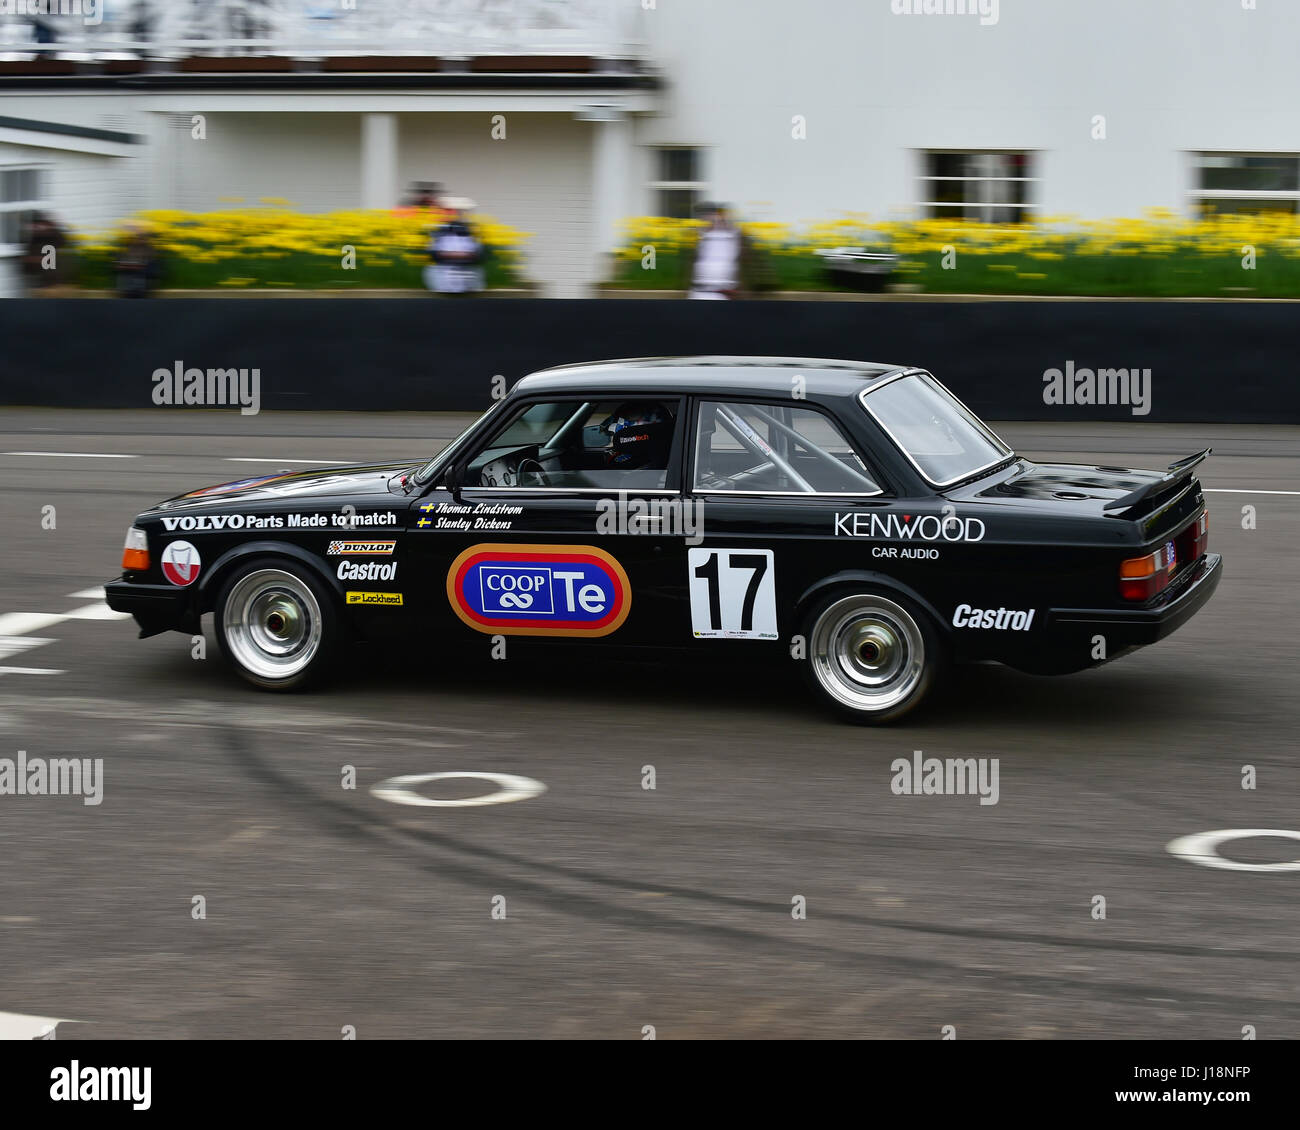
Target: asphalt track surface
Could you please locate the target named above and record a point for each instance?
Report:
(625, 907)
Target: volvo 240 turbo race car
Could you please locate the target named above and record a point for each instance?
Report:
(854, 518)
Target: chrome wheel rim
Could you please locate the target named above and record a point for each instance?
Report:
(272, 624)
(867, 653)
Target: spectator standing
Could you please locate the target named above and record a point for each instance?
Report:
(44, 257)
(137, 264)
(457, 255)
(424, 199)
(722, 264)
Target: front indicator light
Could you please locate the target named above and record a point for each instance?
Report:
(135, 554)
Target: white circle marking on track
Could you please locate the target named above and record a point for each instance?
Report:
(1203, 848)
(398, 790)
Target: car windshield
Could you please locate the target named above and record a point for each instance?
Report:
(439, 460)
(944, 440)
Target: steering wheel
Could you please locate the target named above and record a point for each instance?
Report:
(529, 466)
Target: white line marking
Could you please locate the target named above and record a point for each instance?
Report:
(1203, 847)
(397, 790)
(16, 1026)
(99, 611)
(97, 593)
(1221, 490)
(308, 462)
(70, 454)
(30, 671)
(13, 645)
(21, 623)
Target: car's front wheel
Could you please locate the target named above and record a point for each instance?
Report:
(276, 625)
(871, 657)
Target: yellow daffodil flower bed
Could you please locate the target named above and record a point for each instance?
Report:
(1159, 255)
(275, 246)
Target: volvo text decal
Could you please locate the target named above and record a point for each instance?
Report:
(539, 590)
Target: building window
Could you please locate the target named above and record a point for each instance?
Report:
(991, 187)
(1246, 182)
(21, 194)
(679, 185)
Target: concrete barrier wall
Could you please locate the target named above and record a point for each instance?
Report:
(1208, 361)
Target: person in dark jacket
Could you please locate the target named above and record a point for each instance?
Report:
(44, 257)
(137, 264)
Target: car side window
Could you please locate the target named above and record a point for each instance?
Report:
(607, 444)
(777, 449)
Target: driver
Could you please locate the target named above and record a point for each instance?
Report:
(641, 432)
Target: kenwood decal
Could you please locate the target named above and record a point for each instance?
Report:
(909, 527)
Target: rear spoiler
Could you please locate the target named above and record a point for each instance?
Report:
(1178, 471)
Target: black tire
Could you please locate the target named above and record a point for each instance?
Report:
(871, 656)
(277, 625)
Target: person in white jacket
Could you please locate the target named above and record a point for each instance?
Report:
(722, 257)
(456, 253)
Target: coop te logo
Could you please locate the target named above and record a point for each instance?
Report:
(539, 590)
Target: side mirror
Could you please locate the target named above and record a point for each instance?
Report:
(454, 479)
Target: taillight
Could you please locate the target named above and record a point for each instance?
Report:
(1201, 535)
(1140, 578)
(135, 554)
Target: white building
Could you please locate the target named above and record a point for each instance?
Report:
(561, 117)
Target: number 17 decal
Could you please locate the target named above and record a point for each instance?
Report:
(733, 594)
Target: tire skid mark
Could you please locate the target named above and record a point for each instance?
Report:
(596, 878)
(340, 815)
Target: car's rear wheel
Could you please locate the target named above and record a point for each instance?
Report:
(872, 658)
(276, 625)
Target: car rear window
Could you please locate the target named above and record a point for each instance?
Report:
(944, 440)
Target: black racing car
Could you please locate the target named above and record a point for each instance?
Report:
(855, 518)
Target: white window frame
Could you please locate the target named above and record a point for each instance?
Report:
(984, 202)
(1197, 196)
(12, 250)
(700, 187)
